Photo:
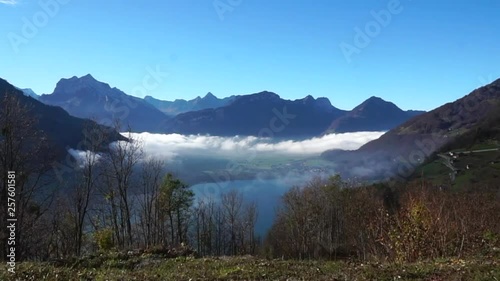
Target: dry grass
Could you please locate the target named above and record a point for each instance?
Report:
(148, 267)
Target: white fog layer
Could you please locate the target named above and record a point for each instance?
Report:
(172, 145)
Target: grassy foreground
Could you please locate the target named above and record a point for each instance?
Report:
(251, 268)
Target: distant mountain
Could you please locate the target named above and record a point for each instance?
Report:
(178, 106)
(62, 130)
(374, 114)
(261, 114)
(85, 97)
(400, 151)
(29, 92)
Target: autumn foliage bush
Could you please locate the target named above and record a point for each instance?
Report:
(407, 223)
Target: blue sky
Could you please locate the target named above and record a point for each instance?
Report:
(428, 52)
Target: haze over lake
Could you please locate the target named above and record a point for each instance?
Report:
(247, 163)
(262, 169)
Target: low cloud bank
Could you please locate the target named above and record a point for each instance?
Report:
(81, 156)
(172, 145)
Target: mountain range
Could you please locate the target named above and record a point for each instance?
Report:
(259, 114)
(265, 113)
(401, 150)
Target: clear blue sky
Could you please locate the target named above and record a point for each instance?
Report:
(429, 53)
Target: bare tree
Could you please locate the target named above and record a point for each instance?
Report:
(225, 226)
(24, 150)
(149, 218)
(220, 221)
(118, 167)
(86, 180)
(232, 203)
(249, 241)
